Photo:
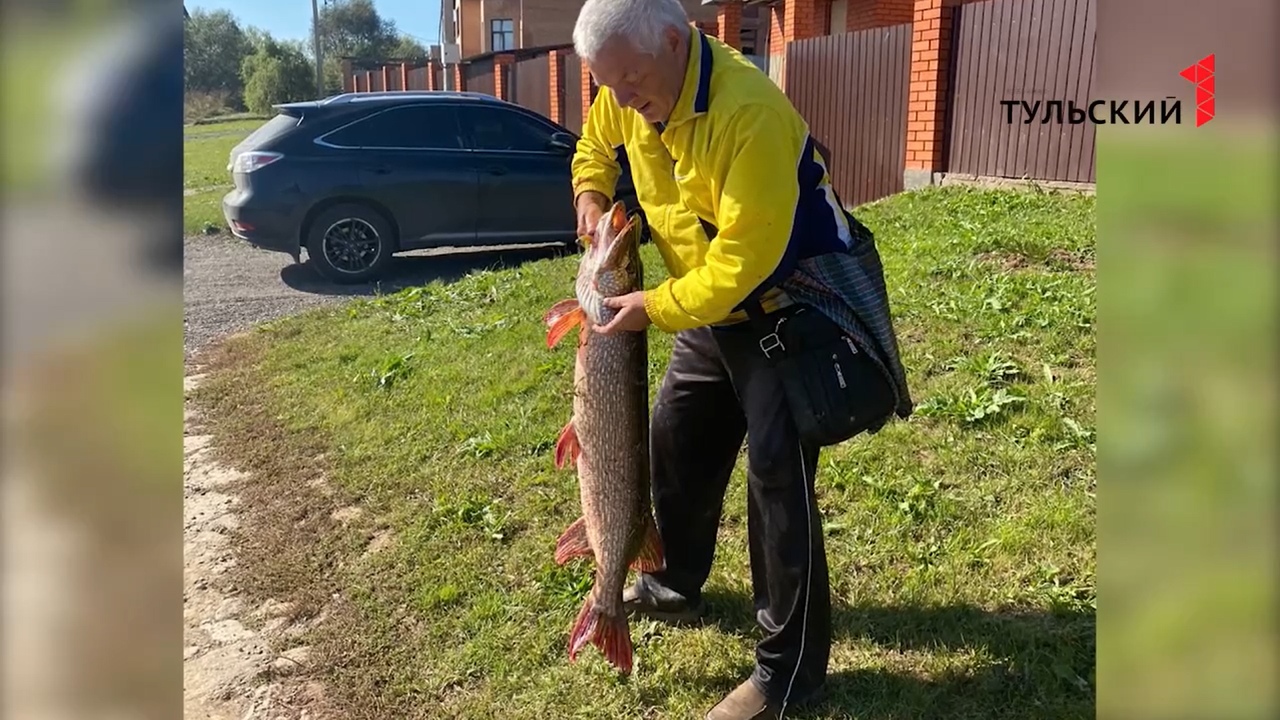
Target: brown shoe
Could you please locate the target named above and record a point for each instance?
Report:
(746, 702)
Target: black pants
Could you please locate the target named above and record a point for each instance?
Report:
(717, 390)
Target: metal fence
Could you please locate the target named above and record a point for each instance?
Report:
(478, 75)
(418, 78)
(531, 84)
(858, 112)
(571, 91)
(1033, 50)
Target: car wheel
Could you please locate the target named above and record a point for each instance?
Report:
(350, 243)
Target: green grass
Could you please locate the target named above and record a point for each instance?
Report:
(1188, 227)
(961, 543)
(205, 151)
(252, 119)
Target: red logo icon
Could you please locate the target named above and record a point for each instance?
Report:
(1202, 75)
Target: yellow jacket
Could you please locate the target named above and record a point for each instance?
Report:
(734, 153)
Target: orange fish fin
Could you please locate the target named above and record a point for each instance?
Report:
(651, 557)
(573, 542)
(561, 319)
(611, 635)
(568, 449)
(559, 309)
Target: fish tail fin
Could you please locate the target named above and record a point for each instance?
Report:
(573, 542)
(561, 318)
(568, 449)
(610, 634)
(651, 557)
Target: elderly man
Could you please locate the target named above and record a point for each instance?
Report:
(736, 197)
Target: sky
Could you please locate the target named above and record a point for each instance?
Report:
(291, 19)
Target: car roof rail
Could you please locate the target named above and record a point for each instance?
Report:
(385, 95)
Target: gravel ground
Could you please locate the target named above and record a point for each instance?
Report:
(229, 286)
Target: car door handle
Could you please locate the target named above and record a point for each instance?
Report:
(496, 170)
(381, 170)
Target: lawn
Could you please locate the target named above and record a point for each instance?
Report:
(961, 543)
(205, 150)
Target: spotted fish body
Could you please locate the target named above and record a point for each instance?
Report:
(607, 438)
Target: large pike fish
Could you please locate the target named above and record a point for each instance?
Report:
(607, 438)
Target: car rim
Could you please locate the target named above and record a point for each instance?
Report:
(351, 245)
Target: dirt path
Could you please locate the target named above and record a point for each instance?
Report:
(231, 667)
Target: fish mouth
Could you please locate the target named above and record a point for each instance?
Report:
(614, 253)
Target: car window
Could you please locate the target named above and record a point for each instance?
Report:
(270, 130)
(423, 127)
(501, 129)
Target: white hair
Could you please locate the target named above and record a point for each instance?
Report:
(644, 22)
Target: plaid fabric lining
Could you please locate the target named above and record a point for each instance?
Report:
(849, 288)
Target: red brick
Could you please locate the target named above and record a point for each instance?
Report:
(555, 65)
(729, 24)
(586, 92)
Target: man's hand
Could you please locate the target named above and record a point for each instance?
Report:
(590, 206)
(631, 317)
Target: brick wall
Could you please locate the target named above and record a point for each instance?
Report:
(926, 106)
(555, 66)
(729, 24)
(501, 72)
(928, 92)
(803, 19)
(586, 90)
(866, 14)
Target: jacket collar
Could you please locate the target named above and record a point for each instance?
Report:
(695, 93)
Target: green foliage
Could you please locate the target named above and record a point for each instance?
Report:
(276, 73)
(354, 28)
(214, 46)
(408, 49)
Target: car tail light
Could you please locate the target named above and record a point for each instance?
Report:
(247, 162)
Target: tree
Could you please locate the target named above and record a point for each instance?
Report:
(408, 49)
(354, 28)
(214, 45)
(277, 72)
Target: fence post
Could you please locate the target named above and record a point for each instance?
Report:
(501, 71)
(348, 76)
(459, 80)
(555, 85)
(431, 75)
(796, 20)
(404, 76)
(368, 81)
(801, 20)
(729, 23)
(927, 101)
(586, 91)
(877, 14)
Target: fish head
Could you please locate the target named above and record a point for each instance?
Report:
(610, 264)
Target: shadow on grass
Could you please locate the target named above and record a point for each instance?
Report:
(407, 271)
(1039, 663)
